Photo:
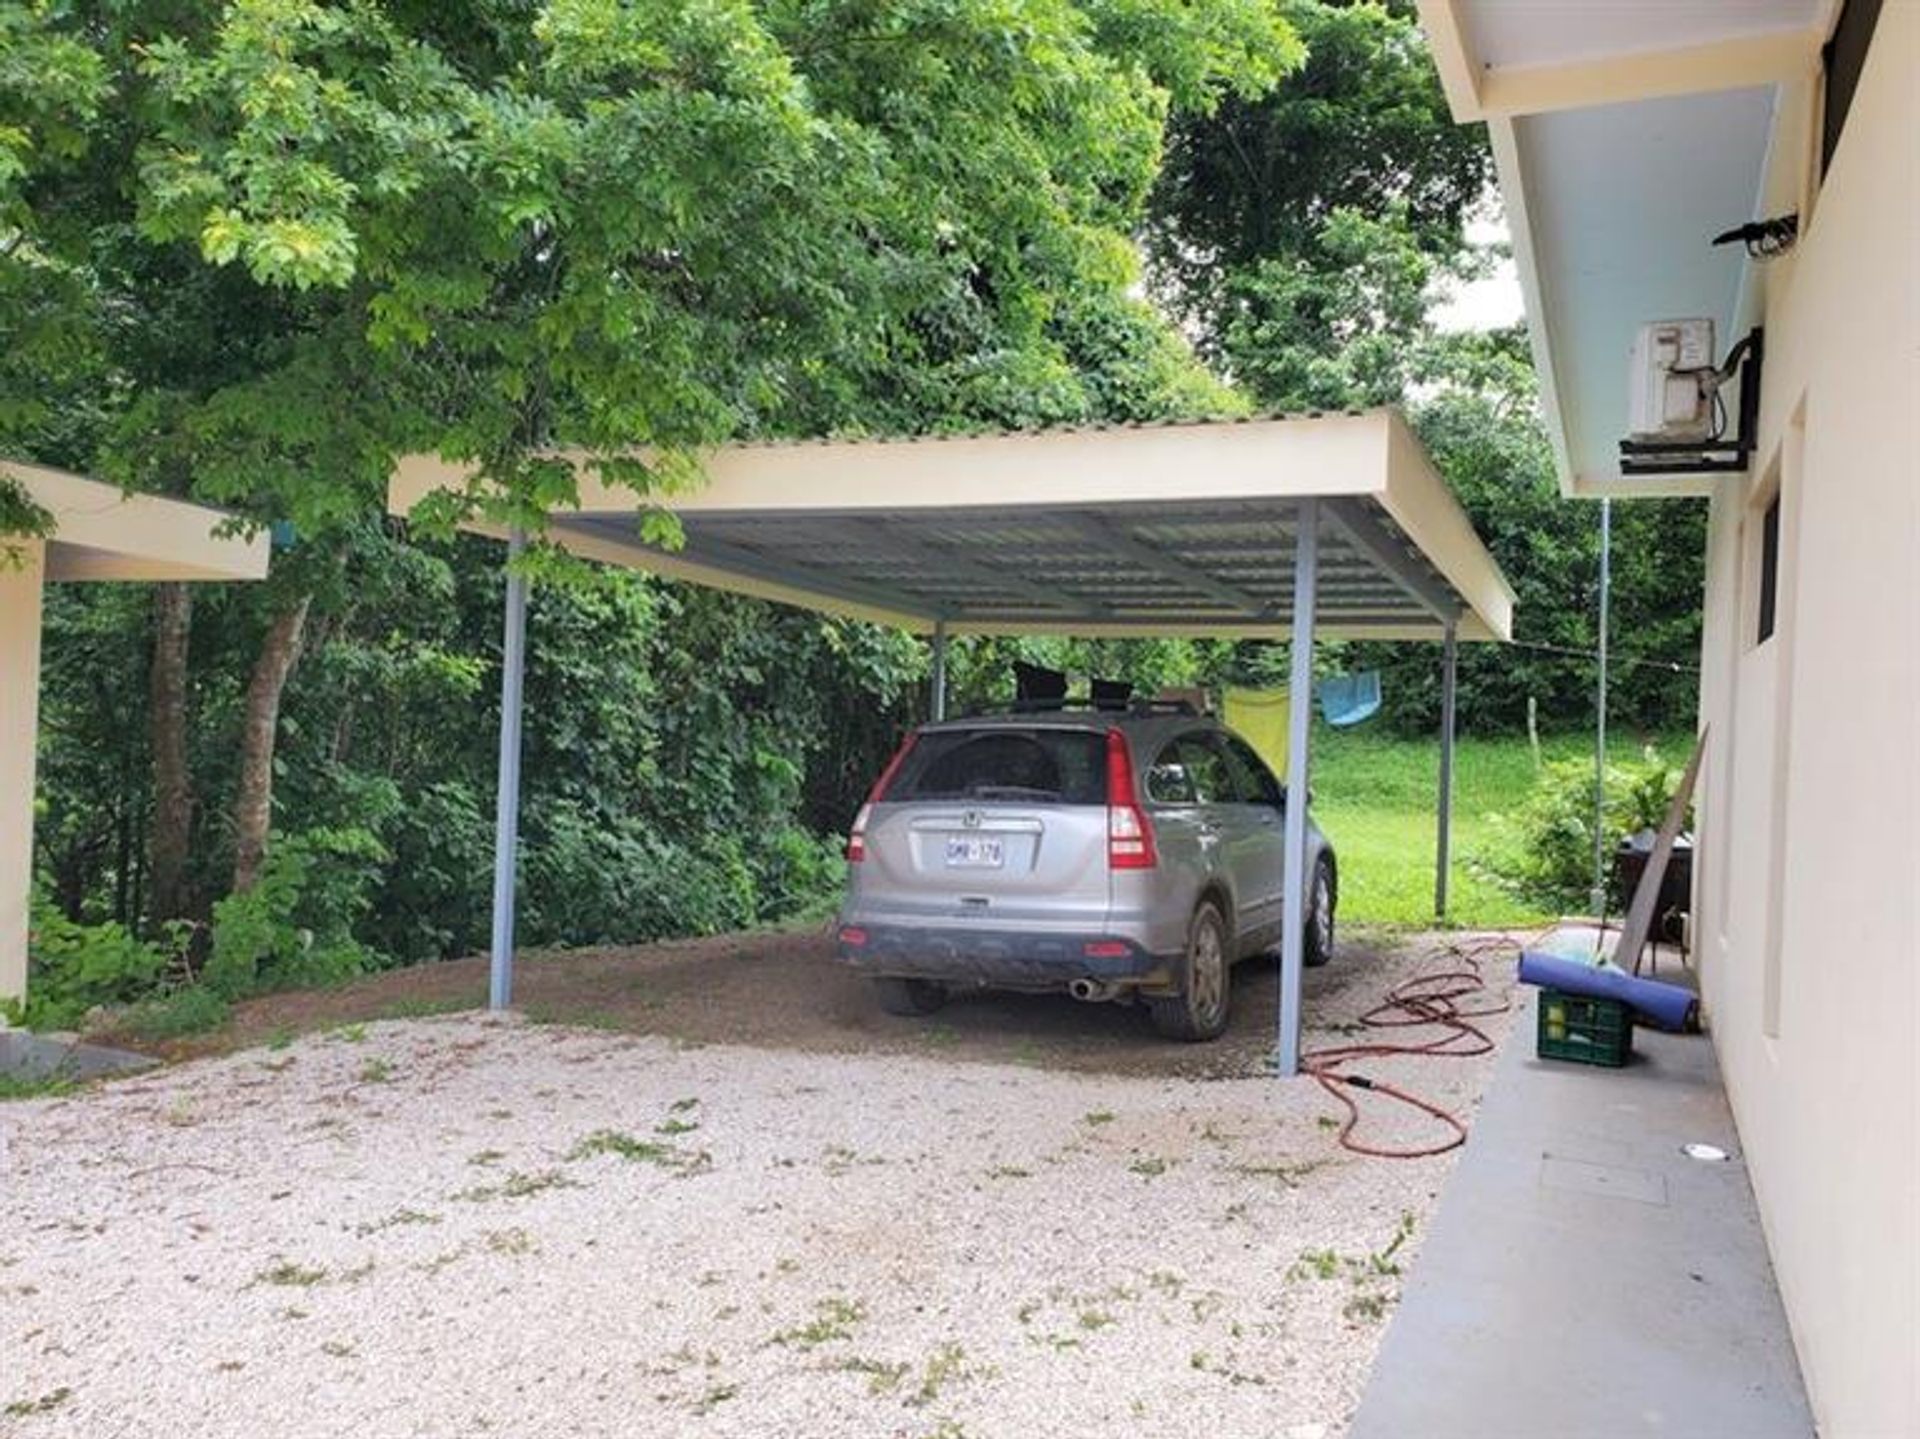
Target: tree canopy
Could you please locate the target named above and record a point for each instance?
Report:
(250, 251)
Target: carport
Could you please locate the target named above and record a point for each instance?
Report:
(97, 532)
(1321, 526)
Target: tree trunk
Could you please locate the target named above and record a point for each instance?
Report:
(172, 824)
(253, 801)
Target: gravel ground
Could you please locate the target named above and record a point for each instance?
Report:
(463, 1225)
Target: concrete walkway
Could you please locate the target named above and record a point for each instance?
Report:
(1584, 1279)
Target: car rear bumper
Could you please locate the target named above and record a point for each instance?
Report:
(999, 958)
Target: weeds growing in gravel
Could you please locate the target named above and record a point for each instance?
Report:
(394, 1221)
(376, 1071)
(640, 1151)
(833, 1318)
(289, 1274)
(45, 1404)
(1288, 1174)
(946, 1365)
(1152, 1166)
(517, 1185)
(882, 1377)
(1097, 1117)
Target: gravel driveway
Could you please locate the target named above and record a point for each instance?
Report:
(459, 1226)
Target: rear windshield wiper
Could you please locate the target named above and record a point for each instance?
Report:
(1011, 791)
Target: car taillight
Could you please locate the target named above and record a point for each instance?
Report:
(1129, 831)
(857, 839)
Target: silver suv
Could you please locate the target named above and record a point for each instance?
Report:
(1116, 854)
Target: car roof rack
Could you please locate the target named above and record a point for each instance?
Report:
(1131, 706)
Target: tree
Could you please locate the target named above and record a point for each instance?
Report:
(298, 239)
(1284, 183)
(1305, 235)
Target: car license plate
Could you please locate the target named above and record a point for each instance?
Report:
(972, 851)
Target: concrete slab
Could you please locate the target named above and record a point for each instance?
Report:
(41, 1056)
(1584, 1278)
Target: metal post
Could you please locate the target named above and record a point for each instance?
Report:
(1598, 897)
(939, 669)
(1306, 566)
(506, 813)
(1443, 847)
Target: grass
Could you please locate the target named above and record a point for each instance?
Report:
(36, 1086)
(834, 1318)
(1374, 796)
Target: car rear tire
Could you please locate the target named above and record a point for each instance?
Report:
(909, 997)
(1199, 1011)
(1318, 948)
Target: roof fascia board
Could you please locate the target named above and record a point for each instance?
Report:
(1476, 91)
(1740, 62)
(1511, 176)
(101, 532)
(1244, 459)
(1447, 41)
(1418, 500)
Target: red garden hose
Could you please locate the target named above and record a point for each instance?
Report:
(1434, 997)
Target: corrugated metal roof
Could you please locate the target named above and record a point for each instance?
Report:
(1181, 528)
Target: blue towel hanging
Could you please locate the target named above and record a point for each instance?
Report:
(1348, 699)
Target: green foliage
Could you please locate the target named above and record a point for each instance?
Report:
(256, 250)
(189, 1009)
(1548, 858)
(294, 927)
(73, 968)
(1259, 182)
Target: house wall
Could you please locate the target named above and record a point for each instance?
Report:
(1808, 889)
(20, 589)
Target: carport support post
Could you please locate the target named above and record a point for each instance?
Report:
(1443, 846)
(939, 669)
(506, 813)
(1306, 576)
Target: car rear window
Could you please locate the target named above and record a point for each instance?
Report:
(1028, 766)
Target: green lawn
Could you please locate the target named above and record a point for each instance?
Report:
(1374, 797)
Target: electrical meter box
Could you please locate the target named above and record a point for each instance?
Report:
(1670, 394)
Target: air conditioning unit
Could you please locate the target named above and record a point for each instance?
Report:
(1672, 383)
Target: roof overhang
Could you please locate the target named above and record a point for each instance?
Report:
(1182, 529)
(1625, 138)
(101, 532)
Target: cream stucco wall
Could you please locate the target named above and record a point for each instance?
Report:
(1809, 882)
(21, 566)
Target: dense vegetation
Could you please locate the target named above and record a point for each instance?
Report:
(251, 251)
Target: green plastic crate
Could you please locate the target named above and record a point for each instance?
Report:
(1586, 1031)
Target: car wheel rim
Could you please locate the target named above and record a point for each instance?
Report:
(1208, 971)
(1322, 914)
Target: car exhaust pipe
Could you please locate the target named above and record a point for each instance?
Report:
(1090, 991)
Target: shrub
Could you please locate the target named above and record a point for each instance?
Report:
(190, 1009)
(74, 967)
(1547, 853)
(294, 927)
